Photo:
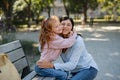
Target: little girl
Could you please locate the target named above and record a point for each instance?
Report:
(50, 40)
(51, 46)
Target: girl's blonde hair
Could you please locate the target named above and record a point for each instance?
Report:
(46, 33)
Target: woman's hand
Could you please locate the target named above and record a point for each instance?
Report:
(45, 64)
(70, 34)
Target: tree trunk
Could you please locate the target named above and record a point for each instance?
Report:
(29, 11)
(7, 8)
(49, 10)
(66, 10)
(85, 11)
(114, 14)
(29, 15)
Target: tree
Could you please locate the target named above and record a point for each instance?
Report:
(79, 6)
(19, 10)
(33, 8)
(29, 3)
(111, 7)
(7, 8)
(47, 4)
(65, 3)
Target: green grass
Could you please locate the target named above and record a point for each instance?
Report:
(28, 47)
(31, 52)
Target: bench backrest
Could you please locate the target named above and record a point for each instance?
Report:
(15, 53)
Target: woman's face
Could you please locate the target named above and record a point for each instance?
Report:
(67, 26)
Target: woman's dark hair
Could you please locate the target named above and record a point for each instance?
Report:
(67, 18)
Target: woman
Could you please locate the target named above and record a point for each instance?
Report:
(76, 58)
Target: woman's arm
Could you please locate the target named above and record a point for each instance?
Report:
(72, 63)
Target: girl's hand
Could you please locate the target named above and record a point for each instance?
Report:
(71, 33)
(45, 64)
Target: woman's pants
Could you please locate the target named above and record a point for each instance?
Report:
(86, 74)
(49, 72)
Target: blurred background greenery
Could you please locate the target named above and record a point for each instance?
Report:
(26, 15)
(14, 13)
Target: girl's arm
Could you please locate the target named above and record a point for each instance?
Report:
(61, 42)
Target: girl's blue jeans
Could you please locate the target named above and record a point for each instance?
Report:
(86, 74)
(49, 72)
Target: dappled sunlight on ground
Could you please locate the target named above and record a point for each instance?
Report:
(111, 28)
(109, 75)
(115, 54)
(97, 28)
(97, 35)
(85, 28)
(25, 28)
(112, 76)
(96, 39)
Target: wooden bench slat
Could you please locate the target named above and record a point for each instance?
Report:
(48, 78)
(20, 64)
(38, 78)
(30, 76)
(9, 46)
(15, 55)
(43, 78)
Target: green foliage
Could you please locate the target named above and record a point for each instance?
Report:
(110, 6)
(28, 47)
(19, 22)
(7, 37)
(26, 9)
(93, 4)
(31, 52)
(19, 5)
(77, 6)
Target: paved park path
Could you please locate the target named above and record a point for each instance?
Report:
(102, 41)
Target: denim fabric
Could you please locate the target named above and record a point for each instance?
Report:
(49, 72)
(86, 74)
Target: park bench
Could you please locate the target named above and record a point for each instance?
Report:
(17, 56)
